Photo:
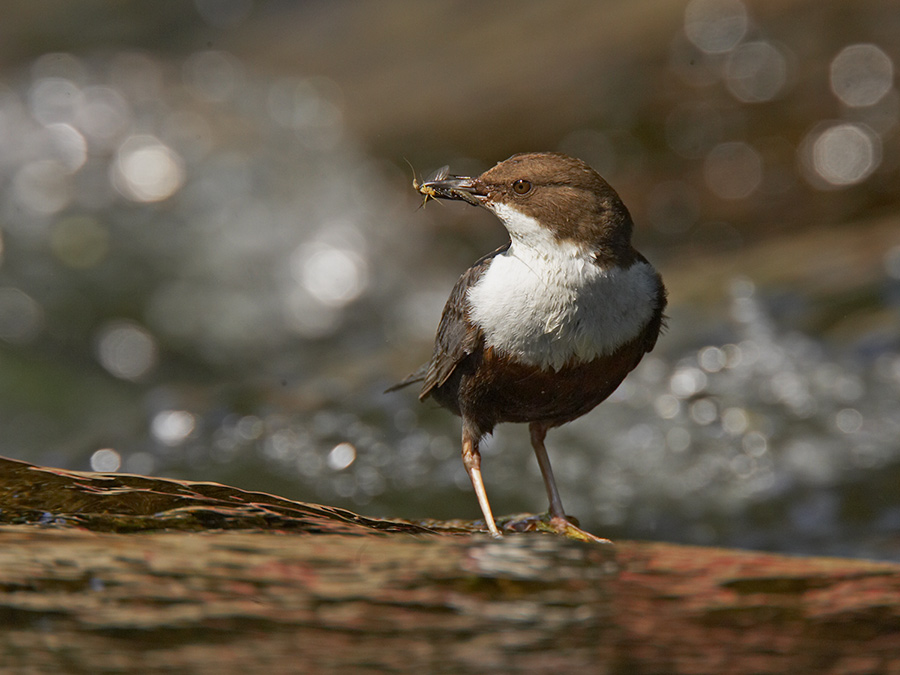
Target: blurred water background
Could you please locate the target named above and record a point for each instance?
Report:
(213, 262)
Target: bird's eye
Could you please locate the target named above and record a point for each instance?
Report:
(521, 187)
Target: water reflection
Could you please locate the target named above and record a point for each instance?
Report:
(172, 427)
(69, 144)
(861, 75)
(692, 129)
(54, 100)
(841, 154)
(213, 76)
(310, 107)
(106, 460)
(126, 350)
(147, 170)
(733, 170)
(756, 72)
(79, 242)
(43, 187)
(334, 276)
(715, 26)
(21, 317)
(342, 456)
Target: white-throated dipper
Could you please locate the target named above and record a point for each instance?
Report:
(546, 327)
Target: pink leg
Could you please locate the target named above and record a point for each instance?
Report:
(558, 518)
(472, 462)
(538, 433)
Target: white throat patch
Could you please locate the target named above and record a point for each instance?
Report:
(547, 303)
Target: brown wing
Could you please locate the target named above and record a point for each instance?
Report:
(456, 337)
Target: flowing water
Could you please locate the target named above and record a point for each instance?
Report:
(205, 275)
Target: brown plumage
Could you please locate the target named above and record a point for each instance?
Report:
(561, 214)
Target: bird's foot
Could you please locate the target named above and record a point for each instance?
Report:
(568, 527)
(545, 522)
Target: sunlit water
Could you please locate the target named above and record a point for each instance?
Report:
(202, 275)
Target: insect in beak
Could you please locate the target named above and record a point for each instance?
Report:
(425, 188)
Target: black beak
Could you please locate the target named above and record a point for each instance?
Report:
(460, 188)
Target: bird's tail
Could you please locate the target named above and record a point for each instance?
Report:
(417, 376)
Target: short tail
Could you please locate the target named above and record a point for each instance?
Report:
(417, 376)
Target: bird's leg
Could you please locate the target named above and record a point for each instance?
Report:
(472, 461)
(559, 521)
(538, 433)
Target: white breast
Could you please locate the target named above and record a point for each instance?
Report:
(548, 303)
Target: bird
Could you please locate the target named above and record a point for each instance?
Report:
(546, 327)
